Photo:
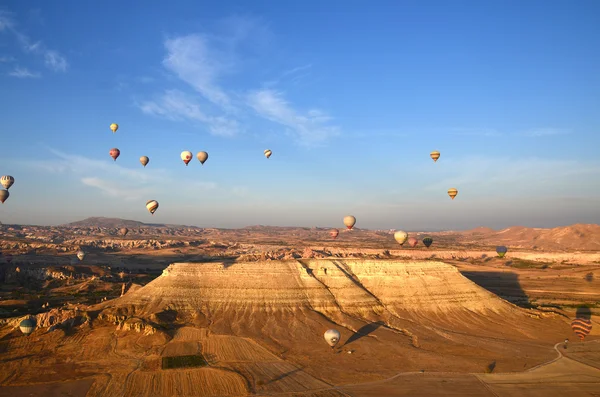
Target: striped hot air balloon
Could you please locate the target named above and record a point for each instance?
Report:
(152, 206)
(427, 241)
(27, 326)
(581, 327)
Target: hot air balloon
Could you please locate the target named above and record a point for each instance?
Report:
(334, 233)
(202, 157)
(427, 241)
(452, 192)
(413, 242)
(501, 251)
(7, 181)
(581, 327)
(186, 156)
(400, 236)
(349, 221)
(144, 160)
(8, 258)
(4, 194)
(268, 153)
(435, 155)
(152, 206)
(123, 231)
(27, 326)
(332, 337)
(114, 127)
(80, 255)
(114, 153)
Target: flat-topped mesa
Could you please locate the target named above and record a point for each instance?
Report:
(325, 285)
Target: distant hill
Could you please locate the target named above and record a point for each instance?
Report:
(100, 221)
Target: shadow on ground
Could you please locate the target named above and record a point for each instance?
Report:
(504, 284)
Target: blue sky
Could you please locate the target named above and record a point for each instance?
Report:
(351, 97)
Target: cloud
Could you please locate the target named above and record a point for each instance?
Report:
(309, 128)
(196, 62)
(540, 132)
(118, 190)
(488, 132)
(296, 70)
(505, 176)
(6, 59)
(52, 58)
(177, 106)
(24, 73)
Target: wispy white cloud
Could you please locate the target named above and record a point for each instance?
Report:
(505, 176)
(195, 61)
(52, 58)
(117, 189)
(24, 73)
(204, 60)
(488, 132)
(310, 128)
(540, 132)
(175, 105)
(115, 180)
(6, 59)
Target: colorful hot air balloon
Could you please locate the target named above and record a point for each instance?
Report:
(114, 153)
(268, 153)
(435, 155)
(4, 194)
(80, 255)
(332, 337)
(334, 233)
(581, 327)
(349, 221)
(427, 241)
(144, 160)
(27, 326)
(7, 181)
(501, 251)
(123, 231)
(114, 127)
(452, 192)
(400, 236)
(202, 157)
(152, 206)
(413, 242)
(186, 156)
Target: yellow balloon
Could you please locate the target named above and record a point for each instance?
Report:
(349, 221)
(268, 153)
(452, 192)
(435, 155)
(114, 127)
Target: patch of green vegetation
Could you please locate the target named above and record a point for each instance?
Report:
(183, 361)
(526, 264)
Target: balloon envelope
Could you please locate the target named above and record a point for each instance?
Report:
(400, 236)
(332, 337)
(144, 160)
(268, 153)
(452, 192)
(114, 153)
(427, 241)
(413, 242)
(7, 181)
(114, 127)
(80, 255)
(334, 233)
(186, 156)
(124, 231)
(435, 155)
(501, 250)
(152, 206)
(349, 221)
(581, 327)
(202, 157)
(27, 326)
(3, 195)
